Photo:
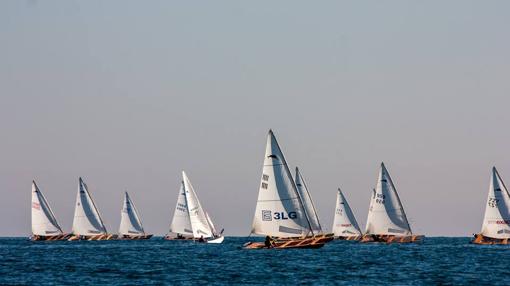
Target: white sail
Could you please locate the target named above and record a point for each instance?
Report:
(87, 220)
(306, 198)
(496, 221)
(44, 222)
(130, 223)
(279, 211)
(181, 223)
(197, 216)
(344, 223)
(386, 214)
(211, 225)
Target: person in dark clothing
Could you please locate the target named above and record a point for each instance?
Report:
(268, 242)
(201, 239)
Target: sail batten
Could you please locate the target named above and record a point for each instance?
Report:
(344, 223)
(130, 223)
(496, 221)
(87, 220)
(279, 211)
(386, 214)
(44, 222)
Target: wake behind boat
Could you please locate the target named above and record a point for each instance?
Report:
(190, 221)
(345, 226)
(387, 221)
(496, 221)
(87, 222)
(44, 223)
(280, 214)
(130, 223)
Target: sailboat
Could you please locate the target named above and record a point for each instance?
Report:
(130, 223)
(280, 212)
(496, 221)
(87, 222)
(387, 221)
(44, 223)
(345, 226)
(190, 221)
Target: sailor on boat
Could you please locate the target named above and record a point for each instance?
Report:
(387, 221)
(281, 211)
(496, 221)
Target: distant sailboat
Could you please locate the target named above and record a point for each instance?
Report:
(130, 223)
(345, 226)
(496, 221)
(280, 212)
(387, 221)
(44, 223)
(190, 221)
(87, 223)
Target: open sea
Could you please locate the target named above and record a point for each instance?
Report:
(436, 261)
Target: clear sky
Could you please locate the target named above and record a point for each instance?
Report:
(127, 94)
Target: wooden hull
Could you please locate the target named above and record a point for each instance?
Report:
(290, 243)
(484, 240)
(50, 237)
(392, 238)
(135, 237)
(93, 237)
(350, 238)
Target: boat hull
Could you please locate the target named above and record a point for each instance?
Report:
(350, 238)
(293, 242)
(135, 237)
(216, 240)
(93, 237)
(168, 237)
(50, 237)
(367, 238)
(484, 240)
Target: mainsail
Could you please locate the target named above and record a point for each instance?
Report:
(386, 214)
(130, 223)
(87, 220)
(496, 221)
(279, 210)
(344, 223)
(181, 223)
(44, 222)
(306, 198)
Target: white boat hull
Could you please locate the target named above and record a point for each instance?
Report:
(216, 240)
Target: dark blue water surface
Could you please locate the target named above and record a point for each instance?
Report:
(156, 261)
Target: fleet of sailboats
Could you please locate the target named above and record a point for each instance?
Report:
(190, 221)
(285, 213)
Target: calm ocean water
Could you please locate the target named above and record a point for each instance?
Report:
(156, 261)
